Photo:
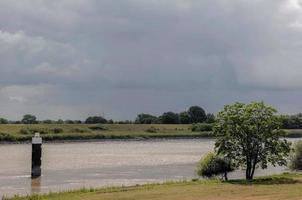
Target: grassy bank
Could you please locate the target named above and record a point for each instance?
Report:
(51, 132)
(286, 186)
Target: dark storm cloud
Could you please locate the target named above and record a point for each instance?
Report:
(72, 58)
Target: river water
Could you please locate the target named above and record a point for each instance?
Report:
(68, 166)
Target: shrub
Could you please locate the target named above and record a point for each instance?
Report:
(199, 127)
(7, 137)
(296, 157)
(80, 130)
(213, 165)
(32, 131)
(57, 130)
(97, 128)
(151, 130)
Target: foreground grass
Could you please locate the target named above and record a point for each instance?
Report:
(286, 186)
(50, 132)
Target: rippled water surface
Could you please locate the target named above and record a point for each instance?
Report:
(96, 164)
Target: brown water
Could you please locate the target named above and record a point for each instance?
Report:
(110, 163)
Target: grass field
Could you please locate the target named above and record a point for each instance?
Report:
(281, 187)
(50, 132)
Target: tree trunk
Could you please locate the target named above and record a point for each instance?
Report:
(248, 170)
(225, 176)
(253, 168)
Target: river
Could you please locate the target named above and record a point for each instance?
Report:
(75, 165)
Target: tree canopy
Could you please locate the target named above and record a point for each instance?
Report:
(146, 119)
(95, 120)
(249, 135)
(170, 118)
(197, 114)
(29, 119)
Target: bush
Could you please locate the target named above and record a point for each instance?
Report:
(80, 130)
(151, 130)
(32, 131)
(57, 130)
(212, 165)
(296, 157)
(97, 128)
(7, 137)
(199, 127)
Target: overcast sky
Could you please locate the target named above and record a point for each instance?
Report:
(75, 58)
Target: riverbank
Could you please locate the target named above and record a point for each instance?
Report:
(19, 133)
(285, 186)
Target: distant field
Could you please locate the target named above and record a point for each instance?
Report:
(282, 187)
(50, 132)
(16, 132)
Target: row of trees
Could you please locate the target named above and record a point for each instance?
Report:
(292, 121)
(31, 119)
(194, 114)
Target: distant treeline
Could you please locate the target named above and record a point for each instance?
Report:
(193, 115)
(292, 121)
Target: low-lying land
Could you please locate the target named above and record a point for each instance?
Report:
(279, 187)
(51, 132)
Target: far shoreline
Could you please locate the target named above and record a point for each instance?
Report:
(155, 139)
(106, 140)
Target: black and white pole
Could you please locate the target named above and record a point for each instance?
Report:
(36, 156)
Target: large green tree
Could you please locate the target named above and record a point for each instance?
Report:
(197, 114)
(169, 118)
(249, 135)
(184, 118)
(95, 120)
(29, 119)
(146, 119)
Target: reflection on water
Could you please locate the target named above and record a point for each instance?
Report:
(36, 185)
(96, 164)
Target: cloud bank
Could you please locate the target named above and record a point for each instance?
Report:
(74, 58)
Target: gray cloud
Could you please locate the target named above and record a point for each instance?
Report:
(74, 58)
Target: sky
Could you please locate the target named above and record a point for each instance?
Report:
(71, 59)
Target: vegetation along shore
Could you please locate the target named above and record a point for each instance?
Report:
(282, 187)
(70, 132)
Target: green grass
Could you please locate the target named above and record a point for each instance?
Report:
(280, 187)
(50, 132)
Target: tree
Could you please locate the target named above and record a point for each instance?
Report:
(170, 118)
(213, 165)
(291, 122)
(95, 120)
(210, 118)
(197, 114)
(146, 119)
(29, 119)
(48, 121)
(249, 135)
(296, 157)
(60, 121)
(184, 118)
(3, 121)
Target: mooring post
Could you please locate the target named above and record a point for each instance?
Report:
(36, 156)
